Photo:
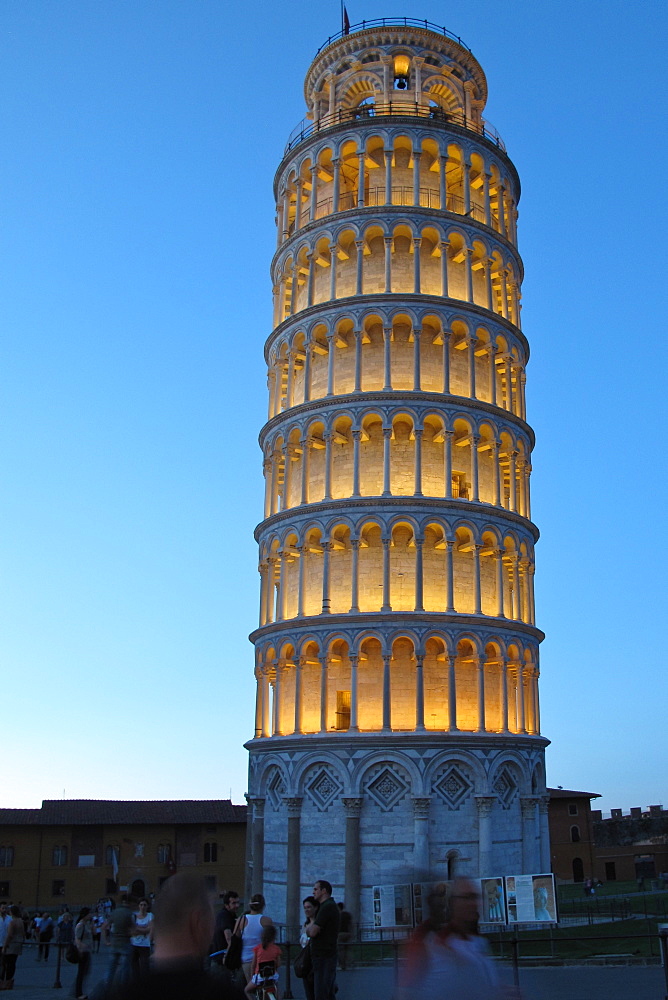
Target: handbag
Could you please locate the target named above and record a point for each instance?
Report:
(72, 953)
(303, 963)
(232, 959)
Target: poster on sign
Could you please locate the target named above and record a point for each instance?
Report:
(531, 899)
(392, 906)
(493, 901)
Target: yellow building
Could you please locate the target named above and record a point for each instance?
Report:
(77, 851)
(397, 726)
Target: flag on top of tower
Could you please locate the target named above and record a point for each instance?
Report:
(345, 20)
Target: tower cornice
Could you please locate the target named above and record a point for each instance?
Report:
(396, 620)
(419, 400)
(385, 303)
(396, 505)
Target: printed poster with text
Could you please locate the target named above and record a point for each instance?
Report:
(531, 899)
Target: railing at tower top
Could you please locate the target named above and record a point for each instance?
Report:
(393, 22)
(399, 108)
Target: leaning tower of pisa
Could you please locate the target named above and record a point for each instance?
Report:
(397, 729)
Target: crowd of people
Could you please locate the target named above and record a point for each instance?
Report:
(128, 932)
(326, 926)
(177, 950)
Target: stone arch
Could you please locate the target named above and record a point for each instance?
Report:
(370, 648)
(273, 781)
(538, 779)
(340, 566)
(455, 777)
(433, 453)
(508, 779)
(361, 87)
(371, 453)
(467, 680)
(402, 452)
(321, 782)
(402, 553)
(366, 770)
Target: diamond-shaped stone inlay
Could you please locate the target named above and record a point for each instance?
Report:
(505, 787)
(276, 790)
(453, 787)
(323, 788)
(387, 788)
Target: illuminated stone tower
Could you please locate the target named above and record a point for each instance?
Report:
(397, 724)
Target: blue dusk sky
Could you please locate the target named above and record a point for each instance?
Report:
(139, 144)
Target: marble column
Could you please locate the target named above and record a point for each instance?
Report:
(452, 694)
(293, 869)
(529, 859)
(354, 688)
(388, 263)
(419, 692)
(359, 244)
(387, 692)
(485, 804)
(544, 825)
(248, 874)
(353, 810)
(421, 837)
(258, 844)
(386, 606)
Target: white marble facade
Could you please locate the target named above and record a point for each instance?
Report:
(397, 727)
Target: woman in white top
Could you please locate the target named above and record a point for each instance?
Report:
(141, 939)
(249, 926)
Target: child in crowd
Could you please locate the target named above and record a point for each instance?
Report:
(266, 962)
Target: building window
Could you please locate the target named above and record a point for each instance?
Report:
(164, 852)
(610, 871)
(6, 857)
(575, 835)
(210, 851)
(645, 867)
(572, 808)
(4, 889)
(58, 887)
(109, 852)
(578, 870)
(139, 850)
(86, 861)
(59, 857)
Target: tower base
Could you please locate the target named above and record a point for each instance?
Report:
(349, 808)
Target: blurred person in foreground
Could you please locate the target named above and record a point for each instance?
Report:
(119, 923)
(446, 957)
(183, 928)
(12, 947)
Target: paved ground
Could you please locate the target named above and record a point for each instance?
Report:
(34, 981)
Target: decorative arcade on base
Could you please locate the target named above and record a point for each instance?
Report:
(397, 728)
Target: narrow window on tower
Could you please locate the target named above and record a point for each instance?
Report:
(343, 710)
